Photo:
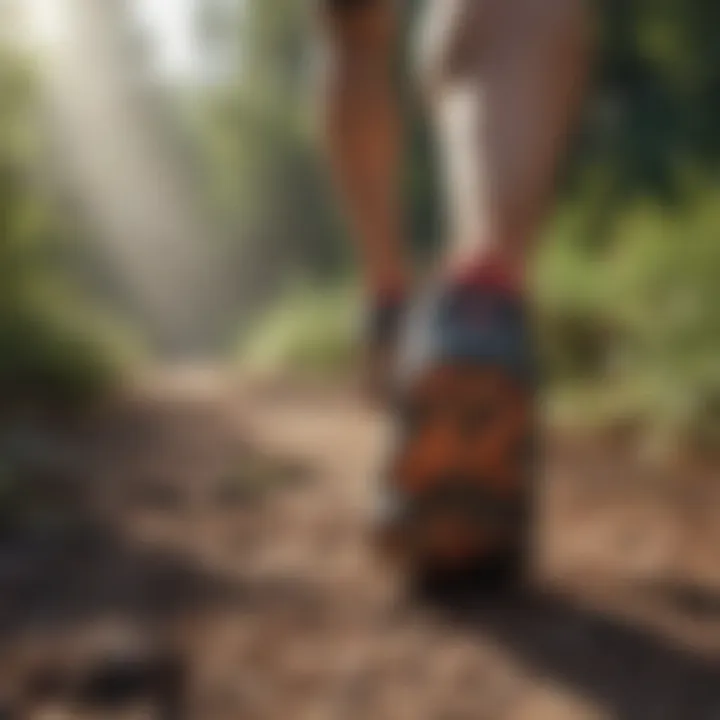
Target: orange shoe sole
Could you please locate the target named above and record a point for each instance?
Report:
(462, 467)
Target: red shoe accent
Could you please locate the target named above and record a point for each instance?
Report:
(492, 273)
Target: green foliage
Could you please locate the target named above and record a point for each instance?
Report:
(652, 116)
(54, 353)
(309, 329)
(51, 349)
(636, 327)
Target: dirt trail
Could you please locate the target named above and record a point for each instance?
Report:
(202, 556)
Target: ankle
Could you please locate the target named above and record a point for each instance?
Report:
(387, 289)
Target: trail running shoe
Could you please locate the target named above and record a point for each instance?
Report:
(456, 489)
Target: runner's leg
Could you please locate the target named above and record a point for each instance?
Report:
(363, 132)
(504, 80)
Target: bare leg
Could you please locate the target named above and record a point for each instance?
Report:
(363, 129)
(504, 79)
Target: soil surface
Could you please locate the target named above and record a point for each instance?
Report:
(198, 550)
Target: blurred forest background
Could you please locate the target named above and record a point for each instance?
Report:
(141, 214)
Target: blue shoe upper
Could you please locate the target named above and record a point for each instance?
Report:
(468, 324)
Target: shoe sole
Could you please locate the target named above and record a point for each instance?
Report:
(462, 468)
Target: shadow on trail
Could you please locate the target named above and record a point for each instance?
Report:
(92, 612)
(691, 600)
(631, 672)
(56, 585)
